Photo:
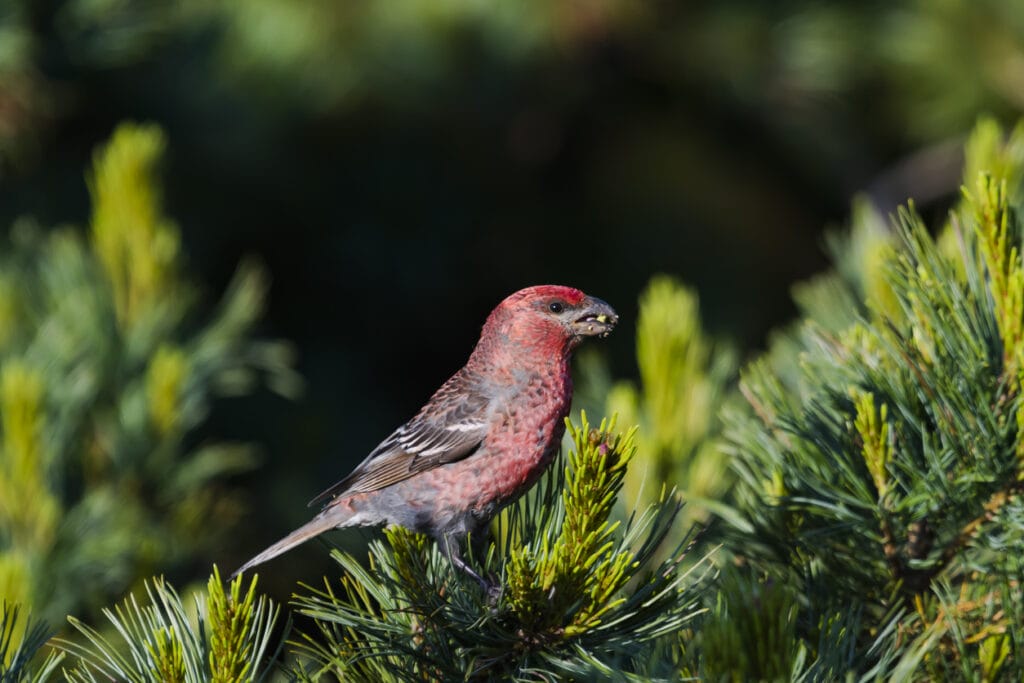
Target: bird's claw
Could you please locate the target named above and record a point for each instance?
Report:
(490, 586)
(492, 589)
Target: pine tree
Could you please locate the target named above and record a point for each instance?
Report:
(583, 596)
(105, 368)
(880, 461)
(21, 642)
(873, 530)
(225, 638)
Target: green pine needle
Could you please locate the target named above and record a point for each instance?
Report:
(21, 641)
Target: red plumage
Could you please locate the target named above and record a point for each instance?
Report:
(482, 439)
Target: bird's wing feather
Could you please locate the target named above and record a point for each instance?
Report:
(450, 427)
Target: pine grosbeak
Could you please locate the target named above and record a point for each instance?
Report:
(482, 439)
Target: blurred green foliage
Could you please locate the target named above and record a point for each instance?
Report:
(684, 380)
(934, 63)
(439, 155)
(750, 635)
(872, 525)
(406, 154)
(105, 370)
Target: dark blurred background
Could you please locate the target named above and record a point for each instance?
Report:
(399, 167)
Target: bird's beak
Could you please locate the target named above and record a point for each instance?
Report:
(597, 319)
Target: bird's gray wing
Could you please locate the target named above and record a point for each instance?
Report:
(449, 428)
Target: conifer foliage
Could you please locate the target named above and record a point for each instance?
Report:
(581, 596)
(873, 529)
(684, 380)
(21, 639)
(225, 639)
(882, 478)
(105, 368)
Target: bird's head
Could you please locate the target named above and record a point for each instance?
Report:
(549, 317)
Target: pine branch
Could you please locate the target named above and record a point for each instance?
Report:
(884, 463)
(102, 383)
(227, 640)
(564, 608)
(21, 641)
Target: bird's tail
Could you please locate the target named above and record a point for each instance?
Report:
(314, 527)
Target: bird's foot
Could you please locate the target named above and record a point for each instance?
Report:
(490, 586)
(492, 589)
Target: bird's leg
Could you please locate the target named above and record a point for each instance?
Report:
(479, 539)
(453, 549)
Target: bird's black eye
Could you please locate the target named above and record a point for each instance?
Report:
(556, 307)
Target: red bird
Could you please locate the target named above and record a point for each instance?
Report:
(482, 439)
